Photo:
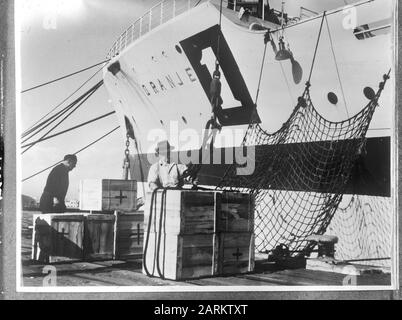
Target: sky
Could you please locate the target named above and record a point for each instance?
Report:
(59, 37)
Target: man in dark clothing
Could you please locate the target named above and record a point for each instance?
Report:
(52, 199)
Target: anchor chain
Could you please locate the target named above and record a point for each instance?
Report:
(126, 161)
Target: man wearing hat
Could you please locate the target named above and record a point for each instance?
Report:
(52, 199)
(166, 174)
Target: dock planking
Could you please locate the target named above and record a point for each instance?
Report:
(129, 273)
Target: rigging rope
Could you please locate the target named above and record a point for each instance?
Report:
(33, 126)
(96, 87)
(43, 125)
(77, 152)
(260, 77)
(316, 48)
(337, 68)
(319, 159)
(70, 129)
(66, 76)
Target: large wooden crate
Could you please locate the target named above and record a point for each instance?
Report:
(192, 212)
(183, 212)
(108, 195)
(236, 253)
(202, 233)
(99, 237)
(192, 256)
(129, 235)
(87, 237)
(235, 212)
(180, 256)
(58, 237)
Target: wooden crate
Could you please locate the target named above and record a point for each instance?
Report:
(87, 237)
(236, 253)
(58, 237)
(199, 255)
(99, 237)
(192, 212)
(129, 235)
(181, 256)
(108, 195)
(235, 212)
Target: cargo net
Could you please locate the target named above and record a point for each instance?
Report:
(298, 189)
(364, 227)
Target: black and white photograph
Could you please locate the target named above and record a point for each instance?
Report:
(197, 146)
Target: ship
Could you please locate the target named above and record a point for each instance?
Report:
(296, 110)
(159, 81)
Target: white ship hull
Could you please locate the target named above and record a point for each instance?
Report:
(159, 91)
(158, 86)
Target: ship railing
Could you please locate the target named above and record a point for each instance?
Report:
(156, 16)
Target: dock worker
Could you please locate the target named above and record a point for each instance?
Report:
(164, 173)
(54, 193)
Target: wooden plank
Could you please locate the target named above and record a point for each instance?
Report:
(343, 268)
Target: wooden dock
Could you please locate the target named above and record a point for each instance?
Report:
(129, 273)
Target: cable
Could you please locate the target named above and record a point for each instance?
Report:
(58, 105)
(261, 71)
(70, 129)
(57, 115)
(316, 47)
(77, 152)
(337, 68)
(64, 77)
(68, 115)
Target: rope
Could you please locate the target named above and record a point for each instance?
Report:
(261, 71)
(70, 129)
(38, 128)
(161, 216)
(283, 214)
(67, 116)
(64, 77)
(337, 68)
(77, 152)
(220, 30)
(32, 127)
(316, 47)
(153, 202)
(287, 83)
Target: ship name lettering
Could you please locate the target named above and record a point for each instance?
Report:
(158, 85)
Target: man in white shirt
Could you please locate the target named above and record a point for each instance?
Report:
(166, 174)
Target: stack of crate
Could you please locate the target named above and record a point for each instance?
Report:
(194, 234)
(115, 231)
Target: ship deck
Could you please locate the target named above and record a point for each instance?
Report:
(129, 273)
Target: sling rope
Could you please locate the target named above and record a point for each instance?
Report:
(70, 129)
(66, 76)
(77, 152)
(162, 214)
